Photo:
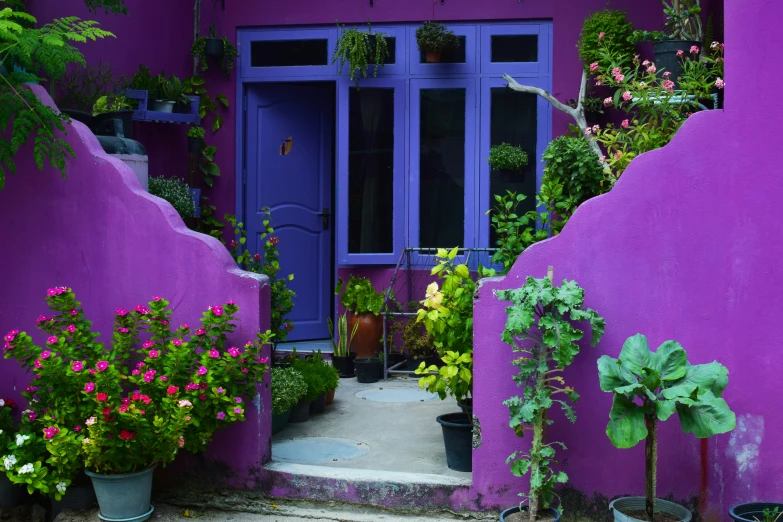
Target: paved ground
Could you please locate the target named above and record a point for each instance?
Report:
(365, 433)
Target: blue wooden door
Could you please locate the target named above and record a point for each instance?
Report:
(289, 169)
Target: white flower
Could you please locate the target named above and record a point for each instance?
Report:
(2, 403)
(61, 487)
(20, 439)
(27, 468)
(90, 421)
(185, 403)
(9, 461)
(85, 441)
(25, 412)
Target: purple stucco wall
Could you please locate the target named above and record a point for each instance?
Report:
(686, 247)
(100, 233)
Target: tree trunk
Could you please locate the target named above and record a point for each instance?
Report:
(539, 431)
(651, 463)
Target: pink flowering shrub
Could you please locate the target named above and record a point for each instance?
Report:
(138, 402)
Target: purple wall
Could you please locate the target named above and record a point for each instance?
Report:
(686, 247)
(100, 233)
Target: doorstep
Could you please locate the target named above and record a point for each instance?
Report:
(306, 347)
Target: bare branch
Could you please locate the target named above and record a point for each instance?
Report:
(557, 104)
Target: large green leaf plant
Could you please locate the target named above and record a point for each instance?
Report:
(540, 327)
(651, 386)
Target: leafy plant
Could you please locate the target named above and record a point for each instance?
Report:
(507, 157)
(416, 341)
(81, 87)
(683, 22)
(176, 192)
(454, 378)
(313, 377)
(342, 344)
(196, 132)
(328, 373)
(110, 103)
(359, 296)
(267, 263)
(288, 387)
(651, 386)
(46, 50)
(173, 89)
(143, 80)
(207, 104)
(358, 48)
(515, 232)
(540, 328)
(434, 36)
(230, 52)
(770, 515)
(610, 27)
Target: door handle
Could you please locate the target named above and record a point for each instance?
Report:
(325, 218)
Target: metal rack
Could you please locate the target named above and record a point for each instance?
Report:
(409, 281)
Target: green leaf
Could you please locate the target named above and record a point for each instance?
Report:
(711, 377)
(462, 271)
(664, 409)
(670, 361)
(519, 467)
(636, 354)
(612, 374)
(626, 423)
(707, 416)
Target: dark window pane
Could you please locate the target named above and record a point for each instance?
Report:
(370, 170)
(513, 121)
(442, 168)
(514, 48)
(391, 46)
(288, 53)
(451, 55)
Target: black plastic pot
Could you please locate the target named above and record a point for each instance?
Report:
(318, 405)
(412, 363)
(81, 116)
(300, 412)
(666, 58)
(126, 123)
(367, 370)
(214, 48)
(344, 365)
(510, 511)
(752, 511)
(279, 420)
(458, 439)
(195, 145)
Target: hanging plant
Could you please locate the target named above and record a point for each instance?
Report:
(507, 157)
(432, 38)
(359, 49)
(217, 48)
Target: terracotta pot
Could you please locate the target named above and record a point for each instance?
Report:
(367, 340)
(432, 56)
(329, 397)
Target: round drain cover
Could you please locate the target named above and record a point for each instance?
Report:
(318, 449)
(397, 395)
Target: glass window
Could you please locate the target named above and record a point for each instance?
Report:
(513, 120)
(370, 170)
(514, 47)
(451, 55)
(442, 168)
(289, 53)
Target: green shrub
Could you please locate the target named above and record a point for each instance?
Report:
(434, 36)
(313, 377)
(507, 157)
(288, 387)
(176, 192)
(617, 30)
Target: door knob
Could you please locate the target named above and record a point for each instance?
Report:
(325, 218)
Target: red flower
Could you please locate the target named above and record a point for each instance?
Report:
(257, 257)
(127, 435)
(10, 403)
(100, 397)
(274, 240)
(171, 390)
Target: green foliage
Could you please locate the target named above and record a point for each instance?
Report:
(434, 36)
(39, 51)
(208, 105)
(416, 340)
(110, 103)
(540, 327)
(267, 263)
(359, 296)
(507, 157)
(770, 515)
(359, 49)
(176, 192)
(515, 232)
(81, 87)
(172, 89)
(454, 378)
(313, 376)
(616, 31)
(143, 80)
(109, 6)
(288, 387)
(683, 22)
(230, 52)
(342, 344)
(196, 132)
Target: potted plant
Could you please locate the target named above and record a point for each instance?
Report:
(507, 157)
(610, 28)
(364, 306)
(540, 329)
(110, 107)
(195, 139)
(316, 388)
(432, 38)
(649, 387)
(359, 48)
(757, 512)
(217, 48)
(176, 192)
(137, 404)
(170, 92)
(330, 378)
(416, 341)
(288, 387)
(342, 356)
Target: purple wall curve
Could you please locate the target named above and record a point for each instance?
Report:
(686, 247)
(100, 233)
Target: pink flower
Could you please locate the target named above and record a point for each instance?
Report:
(214, 353)
(593, 66)
(74, 312)
(70, 328)
(102, 365)
(221, 415)
(136, 372)
(220, 391)
(598, 83)
(620, 77)
(262, 360)
(121, 312)
(185, 326)
(31, 416)
(230, 302)
(651, 69)
(181, 441)
(92, 371)
(171, 390)
(719, 83)
(200, 331)
(588, 131)
(164, 323)
(56, 291)
(624, 124)
(245, 370)
(184, 403)
(140, 364)
(238, 400)
(627, 96)
(77, 366)
(274, 240)
(147, 345)
(238, 411)
(52, 340)
(41, 319)
(216, 310)
(202, 397)
(154, 354)
(31, 389)
(680, 52)
(668, 85)
(607, 102)
(145, 399)
(141, 309)
(45, 354)
(601, 35)
(694, 49)
(122, 330)
(615, 71)
(155, 298)
(618, 155)
(667, 74)
(90, 386)
(202, 370)
(123, 408)
(50, 432)
(233, 352)
(77, 428)
(646, 63)
(176, 342)
(163, 378)
(100, 396)
(37, 363)
(149, 375)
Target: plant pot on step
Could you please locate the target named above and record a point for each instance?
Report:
(330, 397)
(458, 439)
(279, 420)
(432, 56)
(318, 405)
(213, 48)
(666, 58)
(514, 515)
(367, 370)
(195, 145)
(753, 511)
(300, 412)
(163, 106)
(124, 497)
(631, 509)
(369, 333)
(344, 365)
(413, 363)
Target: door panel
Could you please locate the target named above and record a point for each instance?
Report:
(289, 148)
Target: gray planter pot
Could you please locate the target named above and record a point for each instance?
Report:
(510, 511)
(124, 497)
(633, 503)
(163, 106)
